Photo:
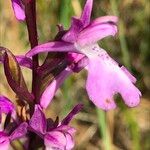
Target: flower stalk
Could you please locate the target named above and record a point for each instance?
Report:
(30, 13)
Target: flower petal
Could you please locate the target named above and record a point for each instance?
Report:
(38, 121)
(109, 80)
(6, 106)
(68, 133)
(55, 140)
(105, 20)
(66, 129)
(52, 47)
(78, 61)
(18, 9)
(70, 141)
(24, 61)
(50, 91)
(130, 76)
(86, 14)
(19, 132)
(96, 32)
(4, 141)
(69, 117)
(72, 33)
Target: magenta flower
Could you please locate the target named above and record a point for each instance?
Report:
(55, 135)
(105, 77)
(7, 136)
(11, 131)
(18, 8)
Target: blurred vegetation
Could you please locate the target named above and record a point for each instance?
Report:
(122, 128)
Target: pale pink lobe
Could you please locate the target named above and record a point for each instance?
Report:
(4, 141)
(50, 91)
(54, 140)
(130, 76)
(69, 141)
(105, 79)
(18, 9)
(61, 137)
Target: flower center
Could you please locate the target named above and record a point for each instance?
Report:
(90, 51)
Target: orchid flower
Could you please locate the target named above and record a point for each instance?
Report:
(6, 137)
(55, 135)
(18, 9)
(11, 132)
(105, 77)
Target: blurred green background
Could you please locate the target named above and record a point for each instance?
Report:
(120, 129)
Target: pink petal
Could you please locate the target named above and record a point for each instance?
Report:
(78, 61)
(130, 76)
(94, 33)
(86, 14)
(38, 121)
(4, 141)
(19, 132)
(72, 33)
(55, 139)
(6, 106)
(66, 129)
(105, 79)
(68, 132)
(50, 91)
(52, 47)
(105, 19)
(74, 111)
(24, 61)
(74, 57)
(18, 9)
(69, 141)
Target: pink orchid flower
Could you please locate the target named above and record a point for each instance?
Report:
(105, 77)
(55, 135)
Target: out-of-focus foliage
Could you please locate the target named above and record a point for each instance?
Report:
(123, 128)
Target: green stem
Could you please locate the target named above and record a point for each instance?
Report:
(103, 129)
